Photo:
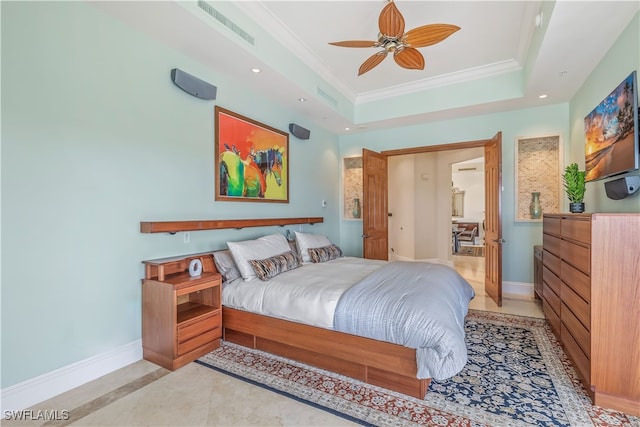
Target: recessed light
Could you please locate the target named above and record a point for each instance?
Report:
(302, 99)
(256, 70)
(544, 95)
(347, 128)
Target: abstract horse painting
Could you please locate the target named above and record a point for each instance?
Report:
(251, 160)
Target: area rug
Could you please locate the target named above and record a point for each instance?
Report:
(517, 375)
(470, 251)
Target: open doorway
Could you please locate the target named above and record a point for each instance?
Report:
(467, 221)
(376, 211)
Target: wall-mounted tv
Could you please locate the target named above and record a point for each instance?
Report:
(611, 133)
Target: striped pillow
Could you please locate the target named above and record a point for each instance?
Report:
(326, 253)
(267, 268)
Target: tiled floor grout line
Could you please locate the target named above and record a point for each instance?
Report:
(108, 398)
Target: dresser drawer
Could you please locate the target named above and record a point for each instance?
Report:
(580, 360)
(579, 333)
(577, 280)
(552, 318)
(576, 255)
(577, 229)
(551, 244)
(551, 280)
(551, 298)
(551, 261)
(579, 307)
(551, 225)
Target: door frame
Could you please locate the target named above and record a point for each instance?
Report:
(496, 261)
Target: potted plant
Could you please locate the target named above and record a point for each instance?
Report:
(575, 187)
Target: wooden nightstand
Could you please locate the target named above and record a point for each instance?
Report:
(181, 315)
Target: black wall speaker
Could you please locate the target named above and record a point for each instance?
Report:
(193, 85)
(298, 131)
(622, 187)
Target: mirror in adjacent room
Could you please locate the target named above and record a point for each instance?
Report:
(457, 203)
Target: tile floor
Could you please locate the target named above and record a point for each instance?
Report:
(142, 394)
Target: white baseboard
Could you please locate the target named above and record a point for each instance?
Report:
(35, 390)
(517, 290)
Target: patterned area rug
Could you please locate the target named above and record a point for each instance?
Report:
(471, 251)
(517, 375)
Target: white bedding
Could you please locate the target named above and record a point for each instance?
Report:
(309, 294)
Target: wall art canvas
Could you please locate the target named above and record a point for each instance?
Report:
(611, 133)
(251, 160)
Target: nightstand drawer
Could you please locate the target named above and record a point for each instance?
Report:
(199, 340)
(198, 326)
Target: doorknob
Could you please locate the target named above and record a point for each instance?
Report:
(500, 241)
(364, 236)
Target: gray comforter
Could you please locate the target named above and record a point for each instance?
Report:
(415, 304)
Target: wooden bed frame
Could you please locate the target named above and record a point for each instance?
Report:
(376, 362)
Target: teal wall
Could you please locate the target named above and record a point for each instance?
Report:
(520, 236)
(95, 139)
(622, 59)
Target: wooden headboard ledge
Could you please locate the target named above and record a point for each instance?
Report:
(219, 224)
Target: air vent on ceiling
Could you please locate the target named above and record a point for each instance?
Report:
(225, 21)
(328, 97)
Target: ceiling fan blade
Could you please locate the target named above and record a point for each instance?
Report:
(428, 35)
(391, 22)
(355, 43)
(372, 61)
(409, 58)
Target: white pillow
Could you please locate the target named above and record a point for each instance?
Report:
(307, 240)
(261, 248)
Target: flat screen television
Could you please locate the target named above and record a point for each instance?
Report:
(611, 133)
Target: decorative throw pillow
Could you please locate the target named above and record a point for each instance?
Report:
(326, 253)
(265, 269)
(261, 248)
(225, 265)
(307, 240)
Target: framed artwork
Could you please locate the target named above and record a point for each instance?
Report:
(251, 160)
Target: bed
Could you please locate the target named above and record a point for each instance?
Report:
(324, 313)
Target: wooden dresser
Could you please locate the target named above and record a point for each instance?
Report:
(591, 299)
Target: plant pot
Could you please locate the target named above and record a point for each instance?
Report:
(576, 207)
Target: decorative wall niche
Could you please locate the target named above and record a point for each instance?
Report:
(537, 169)
(352, 186)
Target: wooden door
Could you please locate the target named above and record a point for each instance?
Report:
(493, 221)
(375, 238)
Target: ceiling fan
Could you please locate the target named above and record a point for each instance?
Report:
(392, 38)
